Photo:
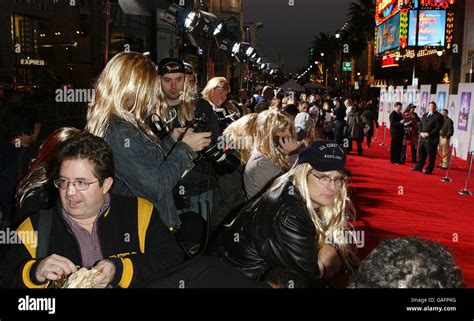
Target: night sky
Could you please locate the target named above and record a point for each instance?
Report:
(288, 31)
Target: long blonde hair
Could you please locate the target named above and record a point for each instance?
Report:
(241, 134)
(212, 84)
(268, 125)
(127, 88)
(44, 167)
(311, 134)
(328, 220)
(187, 99)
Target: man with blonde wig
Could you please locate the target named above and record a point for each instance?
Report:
(298, 222)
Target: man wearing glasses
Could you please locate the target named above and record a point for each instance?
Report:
(122, 237)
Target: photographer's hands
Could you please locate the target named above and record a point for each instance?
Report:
(197, 141)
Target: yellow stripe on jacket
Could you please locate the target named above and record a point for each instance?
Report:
(145, 209)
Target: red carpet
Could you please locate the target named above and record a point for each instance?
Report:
(392, 201)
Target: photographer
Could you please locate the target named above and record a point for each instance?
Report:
(127, 93)
(213, 188)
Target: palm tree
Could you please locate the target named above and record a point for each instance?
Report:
(362, 29)
(329, 46)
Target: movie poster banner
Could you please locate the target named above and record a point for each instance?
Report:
(412, 95)
(392, 96)
(425, 92)
(382, 101)
(442, 92)
(462, 117)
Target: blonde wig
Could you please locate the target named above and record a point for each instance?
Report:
(212, 84)
(187, 100)
(241, 135)
(44, 167)
(127, 88)
(329, 221)
(268, 126)
(311, 134)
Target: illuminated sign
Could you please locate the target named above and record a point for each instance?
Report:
(34, 62)
(388, 34)
(449, 30)
(437, 3)
(432, 26)
(385, 9)
(389, 62)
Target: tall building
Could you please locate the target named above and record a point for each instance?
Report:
(48, 44)
(467, 62)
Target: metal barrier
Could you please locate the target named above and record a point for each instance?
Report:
(465, 191)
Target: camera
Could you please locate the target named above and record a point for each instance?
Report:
(224, 161)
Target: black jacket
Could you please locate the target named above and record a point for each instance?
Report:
(432, 125)
(396, 128)
(276, 231)
(447, 130)
(131, 235)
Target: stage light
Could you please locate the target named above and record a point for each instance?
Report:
(250, 51)
(202, 21)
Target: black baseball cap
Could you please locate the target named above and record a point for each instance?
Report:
(324, 155)
(170, 66)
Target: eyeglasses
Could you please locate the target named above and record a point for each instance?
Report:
(325, 180)
(80, 185)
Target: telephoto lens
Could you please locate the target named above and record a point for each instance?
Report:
(224, 161)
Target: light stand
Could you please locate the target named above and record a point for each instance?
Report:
(384, 131)
(465, 191)
(446, 179)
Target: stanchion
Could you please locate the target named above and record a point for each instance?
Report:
(446, 178)
(376, 133)
(383, 139)
(465, 191)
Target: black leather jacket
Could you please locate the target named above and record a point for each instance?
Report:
(276, 231)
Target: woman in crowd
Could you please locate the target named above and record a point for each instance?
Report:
(241, 135)
(121, 113)
(327, 120)
(299, 223)
(274, 142)
(411, 133)
(36, 191)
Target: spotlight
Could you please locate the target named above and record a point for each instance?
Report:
(236, 48)
(259, 60)
(250, 52)
(202, 21)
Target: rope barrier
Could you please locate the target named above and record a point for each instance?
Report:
(457, 164)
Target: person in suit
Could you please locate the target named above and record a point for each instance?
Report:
(397, 124)
(430, 125)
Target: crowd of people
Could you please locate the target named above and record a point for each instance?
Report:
(166, 183)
